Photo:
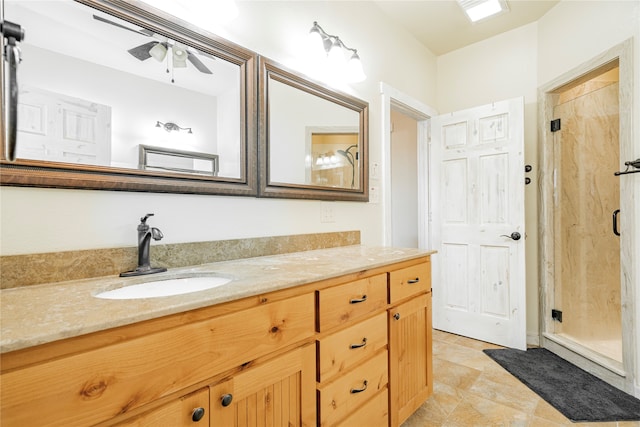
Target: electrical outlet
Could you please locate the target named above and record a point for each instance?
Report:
(374, 194)
(326, 212)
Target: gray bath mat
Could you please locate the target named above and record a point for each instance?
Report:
(580, 396)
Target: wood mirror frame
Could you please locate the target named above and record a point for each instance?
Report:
(271, 71)
(38, 173)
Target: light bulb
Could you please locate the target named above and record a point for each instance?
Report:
(316, 42)
(354, 70)
(179, 55)
(336, 55)
(158, 52)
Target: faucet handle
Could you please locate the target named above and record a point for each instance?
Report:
(143, 220)
(156, 234)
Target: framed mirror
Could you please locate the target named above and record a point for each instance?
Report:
(117, 95)
(313, 141)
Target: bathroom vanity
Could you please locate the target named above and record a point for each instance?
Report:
(336, 336)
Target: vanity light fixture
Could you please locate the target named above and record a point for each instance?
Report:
(334, 50)
(477, 10)
(170, 127)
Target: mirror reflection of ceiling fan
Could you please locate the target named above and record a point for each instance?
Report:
(160, 49)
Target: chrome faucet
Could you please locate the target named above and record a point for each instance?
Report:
(145, 234)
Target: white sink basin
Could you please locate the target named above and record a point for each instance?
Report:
(164, 288)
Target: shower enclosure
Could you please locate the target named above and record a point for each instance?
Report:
(586, 311)
(586, 250)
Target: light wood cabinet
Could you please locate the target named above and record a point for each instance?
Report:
(100, 384)
(352, 370)
(346, 351)
(410, 343)
(280, 392)
(345, 303)
(191, 410)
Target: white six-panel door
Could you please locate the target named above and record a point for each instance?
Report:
(477, 199)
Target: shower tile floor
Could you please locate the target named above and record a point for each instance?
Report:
(471, 390)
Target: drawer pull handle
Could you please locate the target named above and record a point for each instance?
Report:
(226, 399)
(362, 344)
(360, 390)
(412, 281)
(358, 300)
(197, 414)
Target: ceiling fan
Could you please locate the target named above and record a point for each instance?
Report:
(159, 48)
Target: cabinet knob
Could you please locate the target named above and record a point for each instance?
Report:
(226, 399)
(197, 414)
(396, 316)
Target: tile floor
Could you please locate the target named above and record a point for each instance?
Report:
(471, 390)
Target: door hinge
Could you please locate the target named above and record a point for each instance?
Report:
(555, 125)
(556, 315)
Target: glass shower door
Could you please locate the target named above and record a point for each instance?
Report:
(586, 250)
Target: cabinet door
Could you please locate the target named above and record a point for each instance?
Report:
(410, 369)
(275, 393)
(190, 410)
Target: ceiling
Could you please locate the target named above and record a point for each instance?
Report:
(442, 26)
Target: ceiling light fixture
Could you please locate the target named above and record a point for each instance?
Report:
(334, 50)
(159, 51)
(171, 127)
(478, 10)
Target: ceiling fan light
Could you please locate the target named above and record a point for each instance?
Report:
(179, 56)
(158, 52)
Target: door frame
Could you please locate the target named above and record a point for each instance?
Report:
(393, 99)
(619, 375)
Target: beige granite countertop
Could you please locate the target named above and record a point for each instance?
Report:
(39, 314)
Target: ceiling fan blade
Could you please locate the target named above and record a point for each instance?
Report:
(197, 63)
(143, 31)
(142, 52)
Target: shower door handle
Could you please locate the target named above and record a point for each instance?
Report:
(615, 222)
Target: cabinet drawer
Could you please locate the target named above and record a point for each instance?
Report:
(179, 413)
(349, 301)
(374, 413)
(339, 352)
(409, 281)
(342, 397)
(111, 380)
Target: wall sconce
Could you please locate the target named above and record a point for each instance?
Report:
(335, 50)
(170, 127)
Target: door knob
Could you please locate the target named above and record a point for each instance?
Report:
(514, 236)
